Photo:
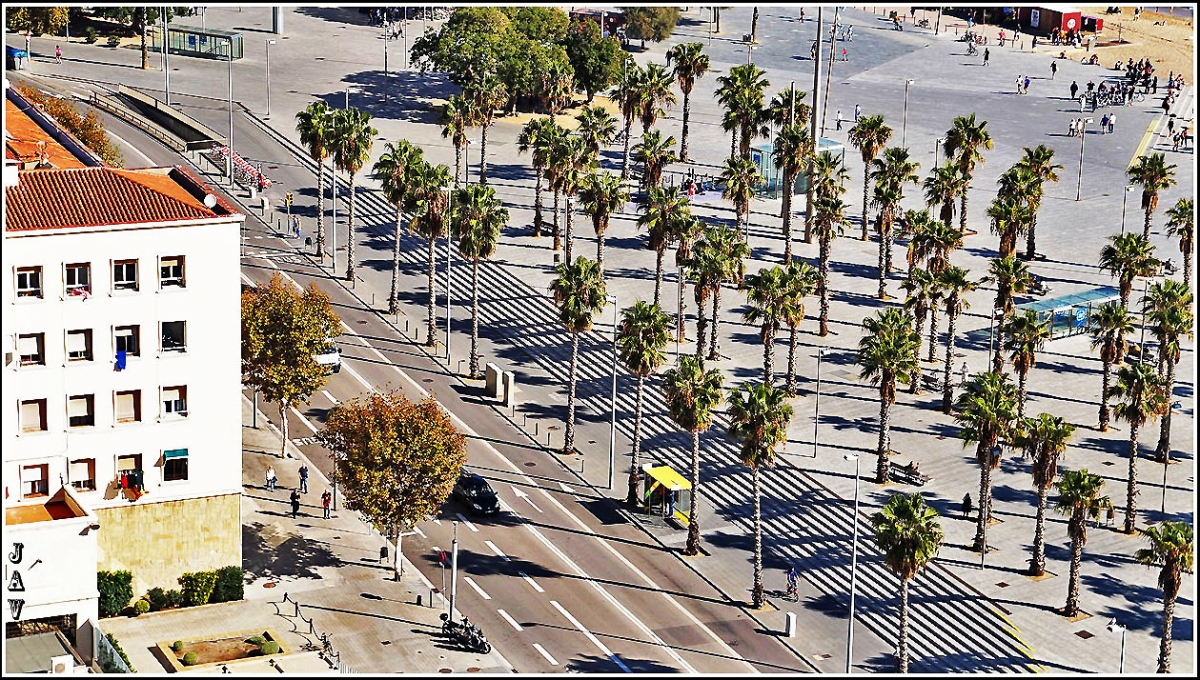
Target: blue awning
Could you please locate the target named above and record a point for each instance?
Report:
(175, 453)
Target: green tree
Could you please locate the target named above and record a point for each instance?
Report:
(966, 141)
(602, 195)
(454, 119)
(787, 107)
(887, 354)
(1079, 499)
(908, 533)
(597, 126)
(394, 171)
(314, 125)
(1127, 257)
(469, 45)
(352, 140)
(942, 187)
(792, 146)
(689, 63)
(1142, 397)
(830, 214)
(869, 135)
(918, 225)
(1010, 219)
(758, 415)
(655, 154)
(740, 177)
(801, 282)
(642, 337)
(1044, 439)
(571, 162)
(741, 94)
(539, 136)
(662, 208)
(1182, 225)
(1109, 324)
(282, 330)
(1040, 162)
(1173, 550)
(1154, 175)
(477, 219)
(987, 410)
(692, 395)
(705, 267)
(956, 283)
(768, 298)
(542, 24)
(654, 94)
(429, 204)
(1025, 336)
(731, 253)
(650, 23)
(397, 461)
(1171, 319)
(555, 83)
(826, 176)
(39, 20)
(596, 60)
(579, 292)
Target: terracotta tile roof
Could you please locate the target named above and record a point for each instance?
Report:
(22, 137)
(85, 197)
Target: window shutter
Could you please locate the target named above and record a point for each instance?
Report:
(31, 415)
(76, 342)
(80, 470)
(126, 464)
(27, 345)
(77, 407)
(32, 473)
(125, 406)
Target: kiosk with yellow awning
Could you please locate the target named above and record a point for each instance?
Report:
(665, 492)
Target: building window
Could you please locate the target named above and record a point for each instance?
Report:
(171, 271)
(35, 480)
(81, 410)
(29, 282)
(127, 340)
(175, 401)
(128, 407)
(32, 349)
(174, 336)
(125, 275)
(130, 475)
(175, 465)
(33, 415)
(83, 474)
(79, 345)
(79, 279)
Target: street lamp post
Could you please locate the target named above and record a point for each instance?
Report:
(166, 51)
(449, 239)
(853, 564)
(612, 423)
(269, 43)
(453, 570)
(679, 329)
(229, 158)
(937, 143)
(1124, 203)
(1079, 181)
(817, 401)
(1114, 627)
(904, 127)
(1142, 342)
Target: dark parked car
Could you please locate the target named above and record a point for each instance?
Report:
(474, 492)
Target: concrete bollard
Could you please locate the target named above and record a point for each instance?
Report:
(789, 624)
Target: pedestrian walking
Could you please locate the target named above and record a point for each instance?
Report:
(58, 54)
(966, 505)
(839, 119)
(1175, 139)
(844, 57)
(271, 478)
(1104, 124)
(1171, 126)
(986, 55)
(850, 33)
(1154, 85)
(28, 40)
(303, 479)
(295, 226)
(857, 109)
(1074, 89)
(295, 499)
(1053, 69)
(1020, 79)
(1112, 122)
(325, 498)
(965, 373)
(1071, 128)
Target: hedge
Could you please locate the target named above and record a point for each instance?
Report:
(230, 586)
(120, 652)
(116, 591)
(197, 587)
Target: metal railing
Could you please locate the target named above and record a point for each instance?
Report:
(106, 655)
(325, 649)
(170, 141)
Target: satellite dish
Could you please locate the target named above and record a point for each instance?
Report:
(210, 201)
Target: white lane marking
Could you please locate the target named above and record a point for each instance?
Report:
(567, 488)
(369, 387)
(497, 550)
(437, 522)
(613, 601)
(249, 282)
(417, 531)
(650, 583)
(530, 582)
(545, 654)
(588, 634)
(510, 620)
(529, 481)
(522, 494)
(131, 147)
(330, 397)
(302, 419)
(467, 522)
(479, 590)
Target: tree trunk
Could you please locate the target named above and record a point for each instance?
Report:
(458, 154)
(758, 552)
(866, 195)
(350, 235)
(483, 151)
(998, 358)
(1146, 225)
(1031, 239)
(1164, 435)
(474, 363)
(1037, 565)
(791, 369)
(397, 568)
(809, 200)
(733, 145)
(1187, 268)
(625, 155)
(683, 144)
(430, 318)
(962, 217)
(902, 642)
(714, 352)
(701, 320)
(754, 27)
(537, 202)
(570, 230)
(889, 237)
(693, 539)
(769, 359)
(985, 502)
(933, 326)
(1106, 380)
(1022, 375)
(883, 270)
(1131, 491)
(915, 385)
(557, 233)
(600, 252)
(569, 439)
(1164, 644)
(1072, 607)
(788, 181)
(283, 426)
(393, 302)
(823, 286)
(885, 441)
(658, 275)
(635, 468)
(146, 47)
(947, 387)
(321, 211)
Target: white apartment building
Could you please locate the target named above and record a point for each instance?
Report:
(121, 384)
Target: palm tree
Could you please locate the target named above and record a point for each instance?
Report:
(477, 219)
(456, 115)
(555, 85)
(393, 170)
(830, 214)
(654, 95)
(601, 196)
(655, 154)
(1079, 499)
(428, 202)
(768, 298)
(1182, 225)
(987, 409)
(731, 254)
(908, 533)
(1141, 396)
(826, 176)
(1110, 323)
(1040, 162)
(352, 140)
(1126, 258)
(689, 63)
(919, 291)
(741, 94)
(488, 94)
(787, 107)
(580, 294)
(1173, 547)
(1024, 336)
(627, 94)
(662, 209)
(1010, 218)
(887, 197)
(895, 169)
(539, 136)
(314, 125)
(692, 395)
(965, 142)
(597, 126)
(1011, 276)
(791, 152)
(740, 177)
(1172, 320)
(942, 239)
(758, 418)
(684, 233)
(943, 186)
(1044, 439)
(705, 267)
(956, 283)
(887, 354)
(801, 282)
(1154, 175)
(869, 135)
(572, 163)
(918, 225)
(643, 335)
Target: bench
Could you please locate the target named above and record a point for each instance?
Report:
(905, 475)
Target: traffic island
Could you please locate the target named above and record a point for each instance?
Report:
(208, 651)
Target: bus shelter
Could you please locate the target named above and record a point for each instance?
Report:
(665, 492)
(771, 187)
(1070, 314)
(189, 41)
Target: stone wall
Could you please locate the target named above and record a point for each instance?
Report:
(160, 541)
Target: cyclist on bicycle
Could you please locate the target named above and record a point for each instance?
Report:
(792, 575)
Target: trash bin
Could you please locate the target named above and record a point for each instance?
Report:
(383, 553)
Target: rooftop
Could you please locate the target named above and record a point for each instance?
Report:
(32, 653)
(59, 506)
(26, 142)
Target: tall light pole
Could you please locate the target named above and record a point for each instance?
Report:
(817, 401)
(1124, 203)
(853, 564)
(1114, 627)
(449, 239)
(937, 143)
(385, 61)
(166, 54)
(904, 127)
(453, 570)
(229, 158)
(612, 423)
(1142, 342)
(269, 43)
(1079, 182)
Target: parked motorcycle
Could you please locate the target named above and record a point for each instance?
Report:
(466, 635)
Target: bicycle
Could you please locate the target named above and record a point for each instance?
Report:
(971, 49)
(792, 594)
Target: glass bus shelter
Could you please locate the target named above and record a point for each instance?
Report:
(665, 492)
(189, 41)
